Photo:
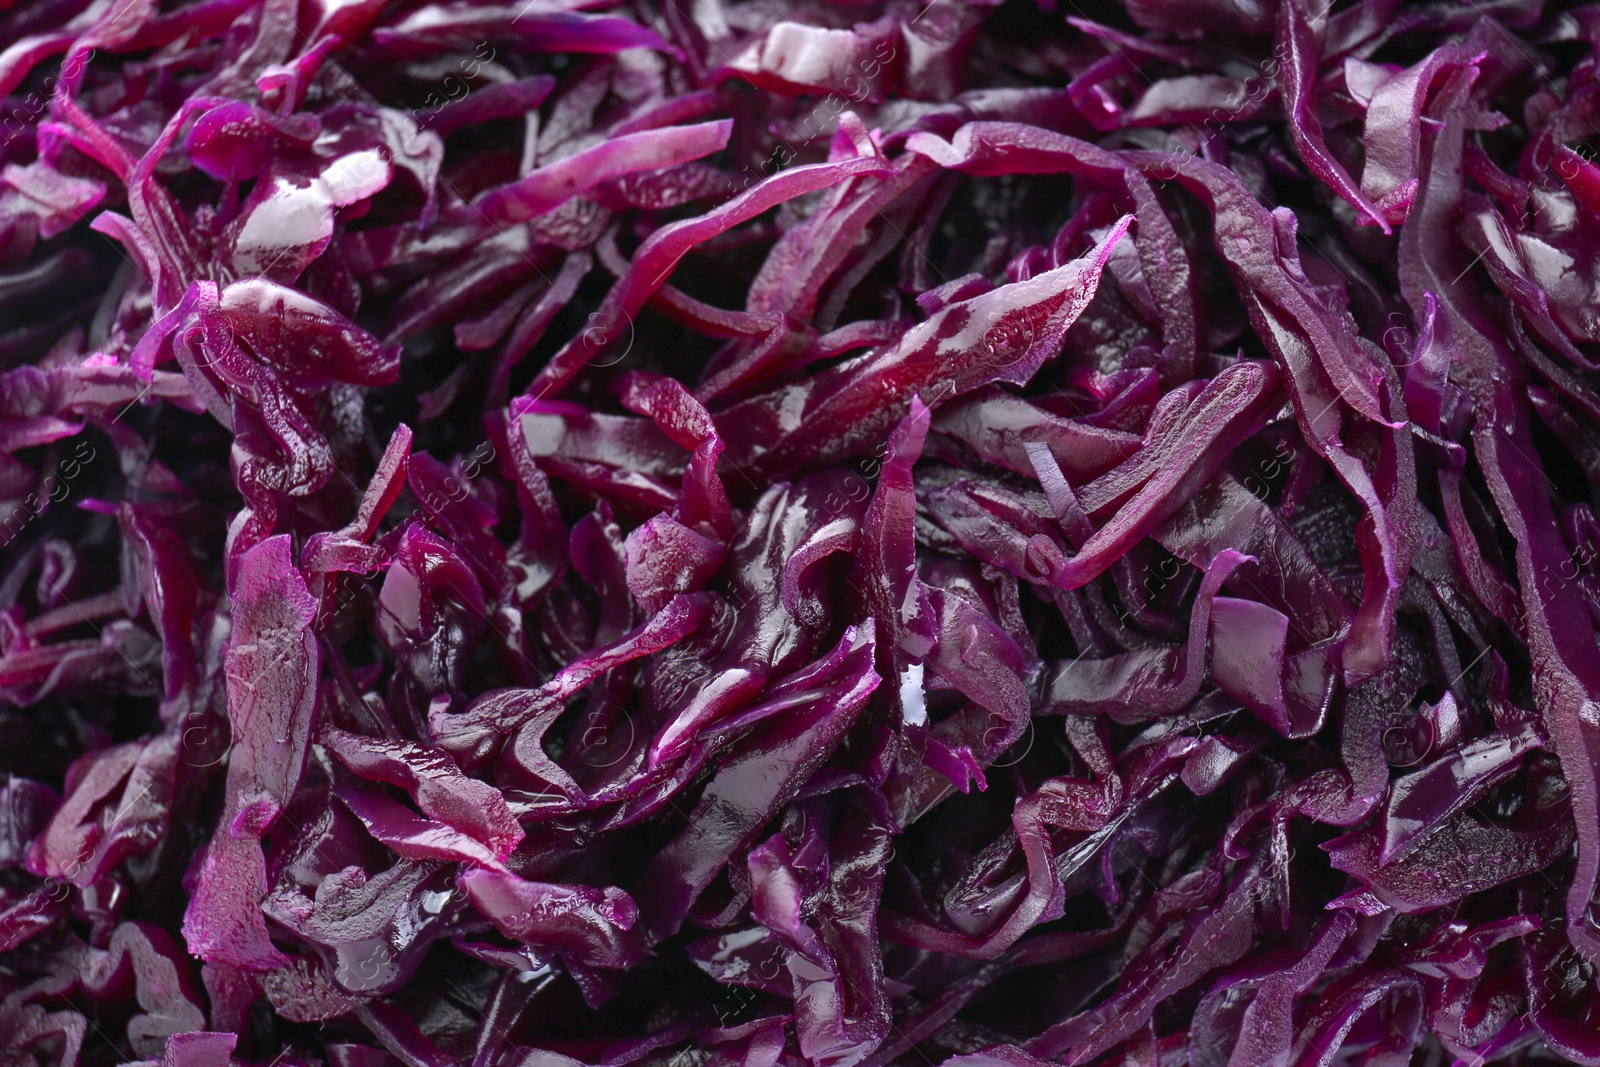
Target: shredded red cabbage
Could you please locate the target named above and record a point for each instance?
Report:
(804, 534)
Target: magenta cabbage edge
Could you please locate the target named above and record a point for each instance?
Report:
(820, 534)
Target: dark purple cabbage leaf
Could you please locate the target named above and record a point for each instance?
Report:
(815, 534)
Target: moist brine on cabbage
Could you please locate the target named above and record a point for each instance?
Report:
(806, 534)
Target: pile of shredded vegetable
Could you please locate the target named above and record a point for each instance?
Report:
(799, 533)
